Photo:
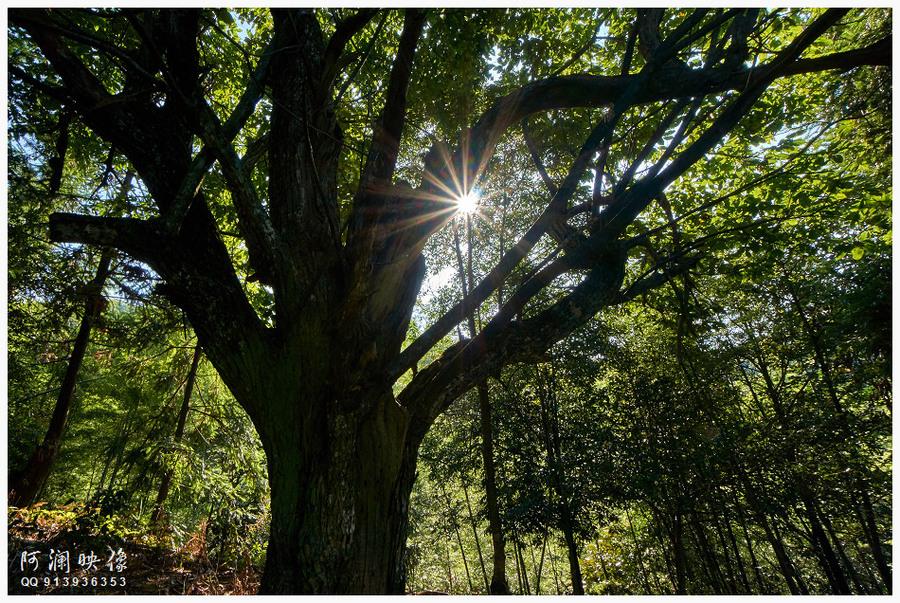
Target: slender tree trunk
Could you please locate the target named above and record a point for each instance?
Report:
(179, 432)
(639, 555)
(515, 547)
(555, 574)
(737, 555)
(787, 569)
(815, 338)
(603, 566)
(704, 563)
(870, 573)
(27, 485)
(757, 573)
(462, 550)
(678, 550)
(540, 567)
(801, 584)
(487, 583)
(870, 529)
(710, 555)
(552, 448)
(498, 585)
(828, 560)
(658, 527)
(851, 570)
(729, 565)
(449, 572)
(574, 564)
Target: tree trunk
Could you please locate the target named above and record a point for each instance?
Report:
(851, 570)
(27, 485)
(729, 566)
(638, 554)
(179, 432)
(498, 586)
(540, 566)
(462, 550)
(827, 559)
(708, 551)
(778, 543)
(757, 574)
(487, 583)
(340, 500)
(870, 528)
(574, 565)
(815, 337)
(553, 450)
(678, 549)
(522, 569)
(737, 555)
(555, 574)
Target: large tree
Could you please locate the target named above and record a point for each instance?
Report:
(317, 371)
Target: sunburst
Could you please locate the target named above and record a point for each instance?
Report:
(467, 204)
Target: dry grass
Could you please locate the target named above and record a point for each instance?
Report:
(152, 568)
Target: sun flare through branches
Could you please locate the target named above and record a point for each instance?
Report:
(467, 203)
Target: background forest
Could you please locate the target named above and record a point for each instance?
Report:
(727, 432)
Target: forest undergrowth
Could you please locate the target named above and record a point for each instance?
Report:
(154, 564)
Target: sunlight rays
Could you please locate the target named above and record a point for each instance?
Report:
(467, 204)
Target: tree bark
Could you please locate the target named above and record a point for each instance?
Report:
(552, 448)
(27, 485)
(340, 451)
(792, 575)
(499, 586)
(339, 502)
(851, 570)
(737, 555)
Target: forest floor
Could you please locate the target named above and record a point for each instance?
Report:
(74, 550)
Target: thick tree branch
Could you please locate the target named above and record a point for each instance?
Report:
(195, 265)
(132, 65)
(636, 199)
(345, 30)
(376, 281)
(553, 216)
(554, 212)
(471, 361)
(304, 146)
(646, 190)
(254, 223)
(388, 131)
(567, 92)
(140, 239)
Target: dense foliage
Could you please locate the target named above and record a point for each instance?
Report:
(718, 422)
